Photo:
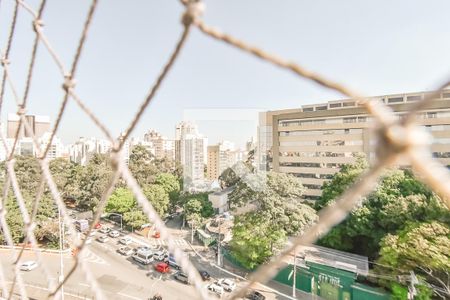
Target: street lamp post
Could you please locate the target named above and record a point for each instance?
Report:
(61, 247)
(295, 273)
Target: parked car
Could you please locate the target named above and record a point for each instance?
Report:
(182, 277)
(173, 263)
(105, 229)
(143, 256)
(157, 235)
(28, 265)
(125, 240)
(162, 267)
(205, 275)
(227, 284)
(125, 250)
(98, 226)
(92, 233)
(215, 288)
(103, 239)
(142, 248)
(88, 241)
(114, 233)
(160, 255)
(255, 295)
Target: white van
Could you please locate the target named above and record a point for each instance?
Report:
(143, 256)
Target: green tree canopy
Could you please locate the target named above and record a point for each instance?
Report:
(279, 198)
(158, 197)
(94, 181)
(397, 199)
(171, 184)
(420, 247)
(135, 218)
(255, 239)
(121, 201)
(142, 166)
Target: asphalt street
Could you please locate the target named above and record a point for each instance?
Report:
(120, 277)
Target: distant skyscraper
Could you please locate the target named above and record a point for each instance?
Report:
(182, 129)
(193, 167)
(38, 125)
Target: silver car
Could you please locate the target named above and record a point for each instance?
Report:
(28, 265)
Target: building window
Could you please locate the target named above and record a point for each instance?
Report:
(334, 105)
(445, 95)
(348, 104)
(430, 115)
(395, 100)
(414, 98)
(308, 109)
(321, 108)
(350, 120)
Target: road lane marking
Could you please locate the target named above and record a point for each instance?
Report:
(128, 296)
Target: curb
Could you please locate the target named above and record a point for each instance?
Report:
(38, 249)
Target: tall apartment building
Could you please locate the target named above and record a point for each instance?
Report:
(220, 157)
(56, 148)
(183, 129)
(82, 150)
(314, 141)
(159, 145)
(193, 167)
(38, 124)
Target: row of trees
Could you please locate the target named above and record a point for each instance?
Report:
(401, 226)
(160, 180)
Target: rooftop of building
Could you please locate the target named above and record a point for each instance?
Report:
(334, 258)
(389, 99)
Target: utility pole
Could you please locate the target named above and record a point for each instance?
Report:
(218, 243)
(61, 247)
(295, 273)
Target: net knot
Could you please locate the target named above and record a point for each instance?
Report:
(69, 82)
(21, 111)
(397, 138)
(194, 10)
(37, 24)
(4, 61)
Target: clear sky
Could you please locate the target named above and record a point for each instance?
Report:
(376, 47)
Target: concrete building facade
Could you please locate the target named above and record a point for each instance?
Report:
(314, 141)
(193, 153)
(220, 157)
(38, 124)
(159, 145)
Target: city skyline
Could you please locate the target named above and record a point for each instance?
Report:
(380, 43)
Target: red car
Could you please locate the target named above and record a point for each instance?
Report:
(156, 235)
(162, 267)
(98, 226)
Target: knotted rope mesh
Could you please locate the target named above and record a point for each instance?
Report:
(397, 139)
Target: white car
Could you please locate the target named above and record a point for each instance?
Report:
(160, 255)
(105, 229)
(215, 288)
(125, 240)
(28, 265)
(103, 239)
(227, 284)
(125, 250)
(114, 233)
